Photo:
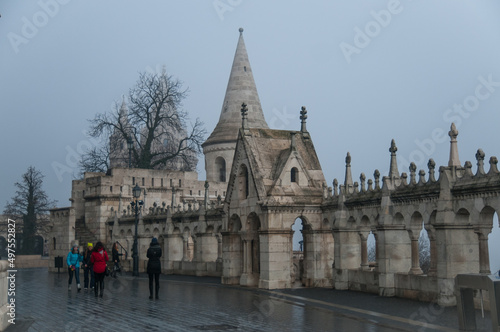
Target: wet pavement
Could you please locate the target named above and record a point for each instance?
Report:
(203, 304)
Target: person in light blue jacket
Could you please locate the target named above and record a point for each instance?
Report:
(73, 260)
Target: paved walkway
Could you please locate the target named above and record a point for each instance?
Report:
(203, 304)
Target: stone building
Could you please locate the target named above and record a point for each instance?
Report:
(238, 223)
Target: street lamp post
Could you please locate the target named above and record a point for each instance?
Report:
(136, 204)
(130, 145)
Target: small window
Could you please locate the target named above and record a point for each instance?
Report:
(171, 183)
(54, 241)
(133, 180)
(180, 183)
(121, 188)
(190, 193)
(294, 175)
(143, 181)
(245, 68)
(199, 192)
(152, 182)
(161, 182)
(111, 189)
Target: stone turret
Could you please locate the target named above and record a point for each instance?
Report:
(220, 146)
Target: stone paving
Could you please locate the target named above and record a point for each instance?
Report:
(203, 304)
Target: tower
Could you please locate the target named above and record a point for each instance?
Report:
(220, 146)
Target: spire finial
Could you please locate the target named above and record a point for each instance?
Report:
(244, 114)
(393, 169)
(303, 118)
(241, 31)
(348, 175)
(454, 160)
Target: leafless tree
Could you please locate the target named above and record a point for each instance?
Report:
(154, 117)
(31, 205)
(96, 159)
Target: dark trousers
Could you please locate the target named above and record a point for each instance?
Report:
(99, 283)
(86, 272)
(77, 275)
(157, 283)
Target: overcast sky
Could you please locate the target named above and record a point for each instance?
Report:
(367, 71)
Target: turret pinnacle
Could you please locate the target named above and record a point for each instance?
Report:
(240, 89)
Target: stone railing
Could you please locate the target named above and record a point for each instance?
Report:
(4, 290)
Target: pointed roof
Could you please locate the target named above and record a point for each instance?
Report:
(240, 89)
(269, 153)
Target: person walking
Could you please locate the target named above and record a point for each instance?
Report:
(154, 266)
(116, 260)
(73, 260)
(98, 260)
(87, 268)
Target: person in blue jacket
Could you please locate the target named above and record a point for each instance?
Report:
(73, 260)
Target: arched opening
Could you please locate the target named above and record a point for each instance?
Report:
(294, 175)
(298, 246)
(494, 246)
(424, 251)
(415, 230)
(364, 232)
(220, 168)
(251, 251)
(243, 182)
(38, 245)
(372, 250)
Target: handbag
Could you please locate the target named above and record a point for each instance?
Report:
(106, 272)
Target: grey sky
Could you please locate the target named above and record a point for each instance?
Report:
(402, 80)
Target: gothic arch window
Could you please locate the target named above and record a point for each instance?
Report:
(220, 168)
(294, 175)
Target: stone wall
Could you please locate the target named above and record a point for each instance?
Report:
(4, 310)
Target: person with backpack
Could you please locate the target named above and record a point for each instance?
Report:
(73, 261)
(99, 258)
(154, 266)
(87, 268)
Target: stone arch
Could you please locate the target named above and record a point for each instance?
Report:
(364, 231)
(156, 232)
(483, 229)
(220, 169)
(431, 233)
(210, 229)
(494, 245)
(462, 216)
(234, 223)
(398, 219)
(122, 233)
(129, 233)
(188, 245)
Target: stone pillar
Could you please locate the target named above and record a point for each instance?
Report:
(276, 258)
(219, 248)
(250, 276)
(432, 242)
(484, 254)
(415, 257)
(173, 252)
(364, 251)
(185, 250)
(347, 256)
(394, 256)
(232, 258)
(318, 258)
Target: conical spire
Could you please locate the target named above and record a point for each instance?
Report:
(240, 89)
(348, 176)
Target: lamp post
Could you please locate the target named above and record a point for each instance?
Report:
(130, 145)
(136, 204)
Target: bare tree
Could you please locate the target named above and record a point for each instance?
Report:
(96, 159)
(154, 123)
(30, 204)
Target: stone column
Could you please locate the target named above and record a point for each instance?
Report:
(232, 258)
(219, 248)
(364, 251)
(318, 258)
(173, 252)
(484, 254)
(347, 254)
(185, 250)
(415, 261)
(432, 242)
(275, 258)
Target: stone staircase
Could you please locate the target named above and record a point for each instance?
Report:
(83, 234)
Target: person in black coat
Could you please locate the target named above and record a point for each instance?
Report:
(154, 266)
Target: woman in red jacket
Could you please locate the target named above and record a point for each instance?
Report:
(98, 259)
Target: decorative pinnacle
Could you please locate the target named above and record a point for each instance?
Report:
(241, 31)
(303, 118)
(393, 148)
(453, 133)
(244, 113)
(348, 159)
